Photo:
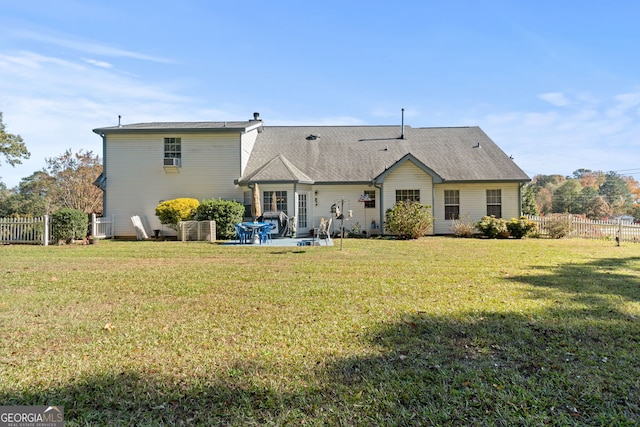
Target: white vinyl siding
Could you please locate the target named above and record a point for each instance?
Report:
(247, 141)
(137, 180)
(407, 176)
(473, 202)
(350, 194)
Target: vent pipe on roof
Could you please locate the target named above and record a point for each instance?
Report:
(256, 117)
(402, 135)
(119, 117)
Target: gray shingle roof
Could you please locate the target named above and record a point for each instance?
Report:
(180, 126)
(337, 154)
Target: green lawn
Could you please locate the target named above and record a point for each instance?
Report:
(438, 331)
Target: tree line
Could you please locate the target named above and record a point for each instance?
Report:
(594, 194)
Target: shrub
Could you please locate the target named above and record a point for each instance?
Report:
(492, 227)
(559, 226)
(171, 212)
(520, 227)
(409, 220)
(69, 224)
(226, 214)
(462, 227)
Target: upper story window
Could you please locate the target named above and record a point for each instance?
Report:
(451, 204)
(371, 194)
(494, 203)
(173, 151)
(407, 196)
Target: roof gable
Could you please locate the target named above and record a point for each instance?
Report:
(410, 158)
(278, 169)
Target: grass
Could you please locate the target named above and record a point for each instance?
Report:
(438, 331)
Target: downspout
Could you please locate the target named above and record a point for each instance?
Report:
(379, 187)
(433, 206)
(520, 198)
(295, 202)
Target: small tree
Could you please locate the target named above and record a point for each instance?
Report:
(69, 224)
(12, 146)
(529, 206)
(226, 214)
(409, 220)
(70, 182)
(171, 212)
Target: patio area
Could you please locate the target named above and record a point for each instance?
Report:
(285, 241)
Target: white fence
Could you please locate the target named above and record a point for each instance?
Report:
(102, 227)
(39, 230)
(25, 230)
(589, 229)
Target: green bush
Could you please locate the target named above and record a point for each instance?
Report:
(69, 224)
(226, 214)
(171, 212)
(492, 227)
(520, 227)
(409, 220)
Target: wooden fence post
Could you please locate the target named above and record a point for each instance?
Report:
(619, 237)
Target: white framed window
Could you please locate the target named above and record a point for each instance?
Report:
(494, 203)
(371, 203)
(173, 152)
(451, 204)
(407, 196)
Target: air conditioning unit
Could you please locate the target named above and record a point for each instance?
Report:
(172, 161)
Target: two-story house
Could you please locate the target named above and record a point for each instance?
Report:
(459, 171)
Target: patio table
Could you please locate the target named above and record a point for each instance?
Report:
(254, 227)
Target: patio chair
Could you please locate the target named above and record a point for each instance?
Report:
(323, 231)
(265, 233)
(243, 234)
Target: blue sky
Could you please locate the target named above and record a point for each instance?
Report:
(556, 84)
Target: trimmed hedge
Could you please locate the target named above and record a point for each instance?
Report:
(69, 224)
(226, 214)
(171, 212)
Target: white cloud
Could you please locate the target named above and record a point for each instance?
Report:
(54, 104)
(102, 64)
(561, 141)
(86, 46)
(624, 103)
(555, 98)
